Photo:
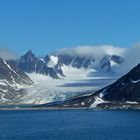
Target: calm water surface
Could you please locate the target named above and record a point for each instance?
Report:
(70, 125)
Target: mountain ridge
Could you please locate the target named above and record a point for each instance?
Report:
(51, 64)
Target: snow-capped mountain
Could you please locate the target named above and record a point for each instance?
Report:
(76, 74)
(108, 61)
(53, 62)
(12, 82)
(51, 65)
(31, 64)
(101, 58)
(104, 63)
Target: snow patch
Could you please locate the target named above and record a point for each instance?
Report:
(113, 63)
(53, 61)
(135, 81)
(131, 102)
(96, 102)
(101, 95)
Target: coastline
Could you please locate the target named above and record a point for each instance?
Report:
(57, 108)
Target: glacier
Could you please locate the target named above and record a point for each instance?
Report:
(75, 82)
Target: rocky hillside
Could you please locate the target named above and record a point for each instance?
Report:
(12, 82)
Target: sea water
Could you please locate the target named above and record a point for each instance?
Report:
(70, 125)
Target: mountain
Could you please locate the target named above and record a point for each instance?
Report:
(12, 82)
(53, 62)
(31, 64)
(124, 93)
(108, 61)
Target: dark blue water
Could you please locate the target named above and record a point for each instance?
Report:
(70, 125)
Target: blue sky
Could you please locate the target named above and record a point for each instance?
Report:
(46, 25)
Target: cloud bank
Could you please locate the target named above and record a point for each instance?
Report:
(92, 51)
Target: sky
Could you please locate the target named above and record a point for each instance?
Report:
(47, 25)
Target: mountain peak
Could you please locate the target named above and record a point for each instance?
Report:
(29, 52)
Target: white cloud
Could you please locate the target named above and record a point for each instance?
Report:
(92, 51)
(132, 57)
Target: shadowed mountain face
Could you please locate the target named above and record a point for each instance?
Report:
(75, 61)
(29, 63)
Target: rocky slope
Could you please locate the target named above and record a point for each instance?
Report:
(12, 82)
